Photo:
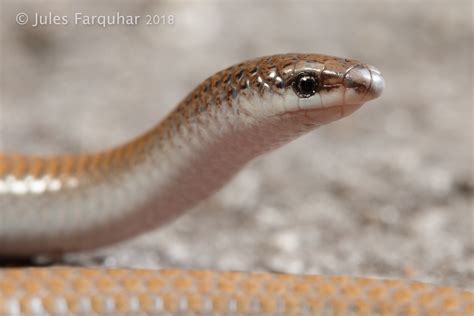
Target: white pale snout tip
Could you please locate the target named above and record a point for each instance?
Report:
(377, 83)
(365, 80)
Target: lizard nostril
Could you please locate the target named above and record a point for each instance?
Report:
(358, 78)
(366, 81)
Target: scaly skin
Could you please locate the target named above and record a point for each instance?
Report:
(52, 205)
(88, 291)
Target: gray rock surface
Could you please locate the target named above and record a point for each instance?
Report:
(385, 192)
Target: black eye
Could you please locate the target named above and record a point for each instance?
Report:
(305, 85)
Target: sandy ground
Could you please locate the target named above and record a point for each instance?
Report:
(386, 192)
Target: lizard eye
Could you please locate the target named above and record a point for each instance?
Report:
(305, 85)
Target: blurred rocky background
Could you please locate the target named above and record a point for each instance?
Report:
(385, 192)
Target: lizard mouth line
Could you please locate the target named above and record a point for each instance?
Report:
(341, 108)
